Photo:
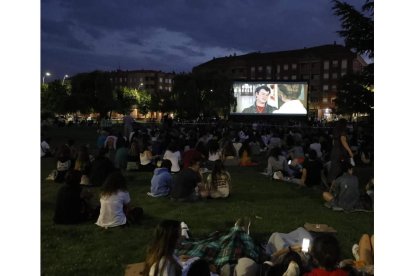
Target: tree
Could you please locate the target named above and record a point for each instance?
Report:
(93, 91)
(202, 93)
(357, 27)
(55, 98)
(126, 99)
(355, 91)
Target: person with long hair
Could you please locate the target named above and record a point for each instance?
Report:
(115, 203)
(145, 156)
(276, 162)
(160, 260)
(218, 182)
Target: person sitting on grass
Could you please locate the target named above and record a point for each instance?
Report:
(344, 192)
(45, 149)
(325, 252)
(161, 181)
(245, 155)
(83, 163)
(70, 207)
(121, 154)
(312, 170)
(145, 156)
(160, 259)
(115, 203)
(101, 167)
(218, 181)
(64, 163)
(276, 162)
(187, 183)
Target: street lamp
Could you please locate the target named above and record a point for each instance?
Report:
(47, 74)
(64, 77)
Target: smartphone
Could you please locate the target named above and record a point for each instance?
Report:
(289, 162)
(305, 245)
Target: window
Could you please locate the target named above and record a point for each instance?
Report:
(268, 72)
(325, 100)
(293, 77)
(325, 87)
(333, 100)
(333, 87)
(260, 68)
(305, 76)
(285, 77)
(252, 72)
(278, 68)
(315, 76)
(285, 66)
(160, 87)
(334, 63)
(293, 66)
(343, 74)
(325, 76)
(334, 76)
(326, 64)
(344, 64)
(160, 79)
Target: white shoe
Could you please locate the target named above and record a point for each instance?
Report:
(355, 251)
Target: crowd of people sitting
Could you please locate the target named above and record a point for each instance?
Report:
(190, 163)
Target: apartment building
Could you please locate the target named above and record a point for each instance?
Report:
(321, 66)
(149, 80)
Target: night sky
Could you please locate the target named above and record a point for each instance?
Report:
(82, 36)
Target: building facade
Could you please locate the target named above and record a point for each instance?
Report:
(320, 66)
(155, 82)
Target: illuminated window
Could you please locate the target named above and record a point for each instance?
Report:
(326, 64)
(333, 87)
(344, 64)
(334, 76)
(293, 66)
(343, 74)
(285, 77)
(334, 63)
(285, 66)
(268, 72)
(278, 68)
(325, 87)
(325, 100)
(325, 76)
(252, 72)
(293, 77)
(160, 79)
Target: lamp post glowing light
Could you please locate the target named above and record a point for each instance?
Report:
(64, 77)
(47, 74)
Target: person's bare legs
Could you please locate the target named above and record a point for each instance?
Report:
(366, 253)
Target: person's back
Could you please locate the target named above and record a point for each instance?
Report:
(185, 182)
(221, 185)
(100, 169)
(68, 201)
(161, 181)
(346, 191)
(313, 168)
(121, 158)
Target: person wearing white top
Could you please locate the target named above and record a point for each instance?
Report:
(289, 94)
(174, 155)
(114, 200)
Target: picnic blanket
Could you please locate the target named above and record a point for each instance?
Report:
(221, 248)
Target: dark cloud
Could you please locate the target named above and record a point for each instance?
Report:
(154, 31)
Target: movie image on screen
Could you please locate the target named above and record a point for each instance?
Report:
(270, 98)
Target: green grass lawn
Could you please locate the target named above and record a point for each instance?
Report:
(86, 249)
